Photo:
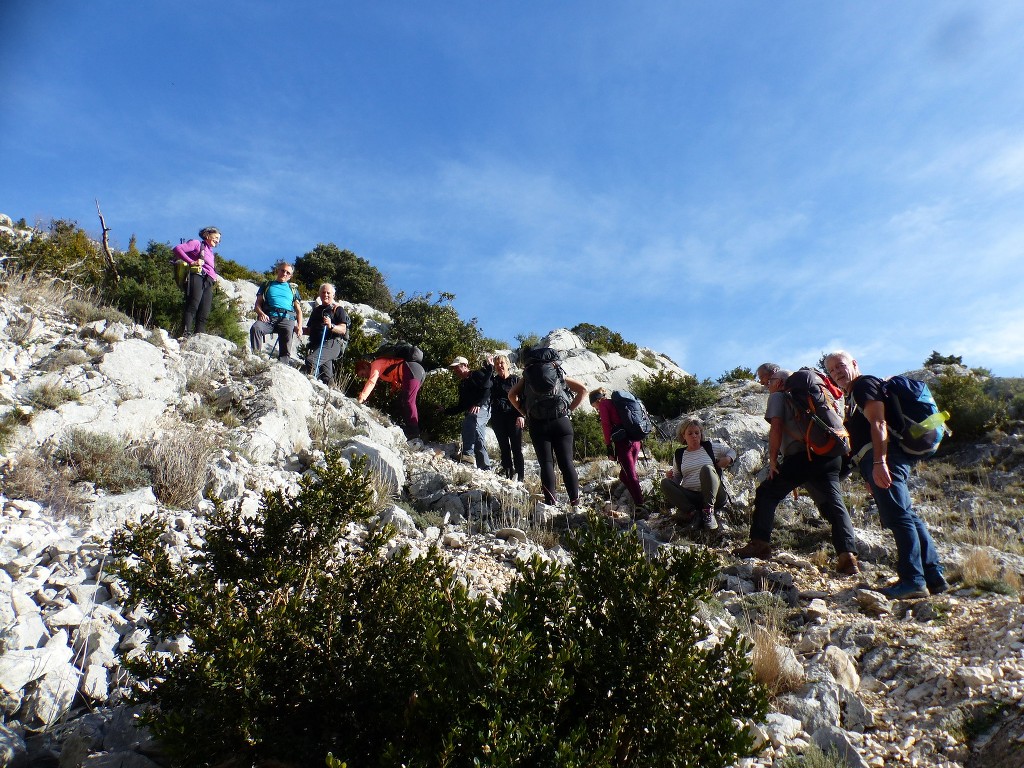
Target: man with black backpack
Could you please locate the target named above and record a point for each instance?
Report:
(789, 413)
(886, 468)
(475, 402)
(328, 335)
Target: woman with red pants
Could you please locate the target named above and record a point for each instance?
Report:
(624, 450)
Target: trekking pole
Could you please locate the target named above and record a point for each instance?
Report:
(323, 338)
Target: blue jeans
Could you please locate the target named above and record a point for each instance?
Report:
(474, 428)
(917, 562)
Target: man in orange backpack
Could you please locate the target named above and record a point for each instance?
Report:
(798, 467)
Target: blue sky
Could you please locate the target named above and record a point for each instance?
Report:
(727, 182)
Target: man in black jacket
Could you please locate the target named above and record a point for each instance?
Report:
(475, 401)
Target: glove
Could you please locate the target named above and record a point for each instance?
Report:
(610, 449)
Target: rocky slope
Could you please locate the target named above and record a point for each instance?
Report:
(887, 683)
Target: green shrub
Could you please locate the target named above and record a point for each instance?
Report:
(65, 250)
(668, 395)
(588, 437)
(354, 278)
(104, 460)
(439, 390)
(936, 359)
(739, 373)
(298, 651)
(436, 328)
(972, 411)
(601, 340)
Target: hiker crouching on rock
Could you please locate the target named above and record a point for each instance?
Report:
(886, 469)
(327, 334)
(622, 449)
(695, 485)
(799, 467)
(278, 310)
(475, 402)
(199, 256)
(406, 378)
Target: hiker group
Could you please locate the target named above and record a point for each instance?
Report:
(822, 426)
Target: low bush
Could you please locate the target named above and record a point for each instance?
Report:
(739, 373)
(588, 437)
(973, 412)
(307, 640)
(439, 390)
(105, 460)
(29, 476)
(602, 340)
(50, 396)
(668, 395)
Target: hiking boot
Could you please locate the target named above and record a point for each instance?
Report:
(641, 513)
(901, 590)
(708, 519)
(847, 565)
(754, 548)
(938, 587)
(468, 458)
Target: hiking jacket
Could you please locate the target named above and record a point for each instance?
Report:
(499, 394)
(474, 390)
(316, 322)
(197, 250)
(610, 418)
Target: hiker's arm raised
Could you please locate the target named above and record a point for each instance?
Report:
(579, 392)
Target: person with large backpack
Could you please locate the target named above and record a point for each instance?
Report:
(475, 401)
(327, 334)
(883, 463)
(506, 421)
(695, 485)
(198, 260)
(802, 453)
(404, 374)
(622, 445)
(546, 397)
(278, 310)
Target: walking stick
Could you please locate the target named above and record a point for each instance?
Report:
(316, 369)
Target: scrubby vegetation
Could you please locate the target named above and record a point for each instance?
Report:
(355, 279)
(138, 283)
(603, 340)
(668, 395)
(306, 640)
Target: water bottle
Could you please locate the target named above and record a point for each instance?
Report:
(934, 421)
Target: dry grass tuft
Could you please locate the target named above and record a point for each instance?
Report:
(179, 463)
(978, 567)
(30, 477)
(51, 396)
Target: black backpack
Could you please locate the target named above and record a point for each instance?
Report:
(817, 414)
(403, 350)
(636, 422)
(544, 391)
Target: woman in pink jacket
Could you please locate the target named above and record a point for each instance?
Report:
(199, 256)
(624, 450)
